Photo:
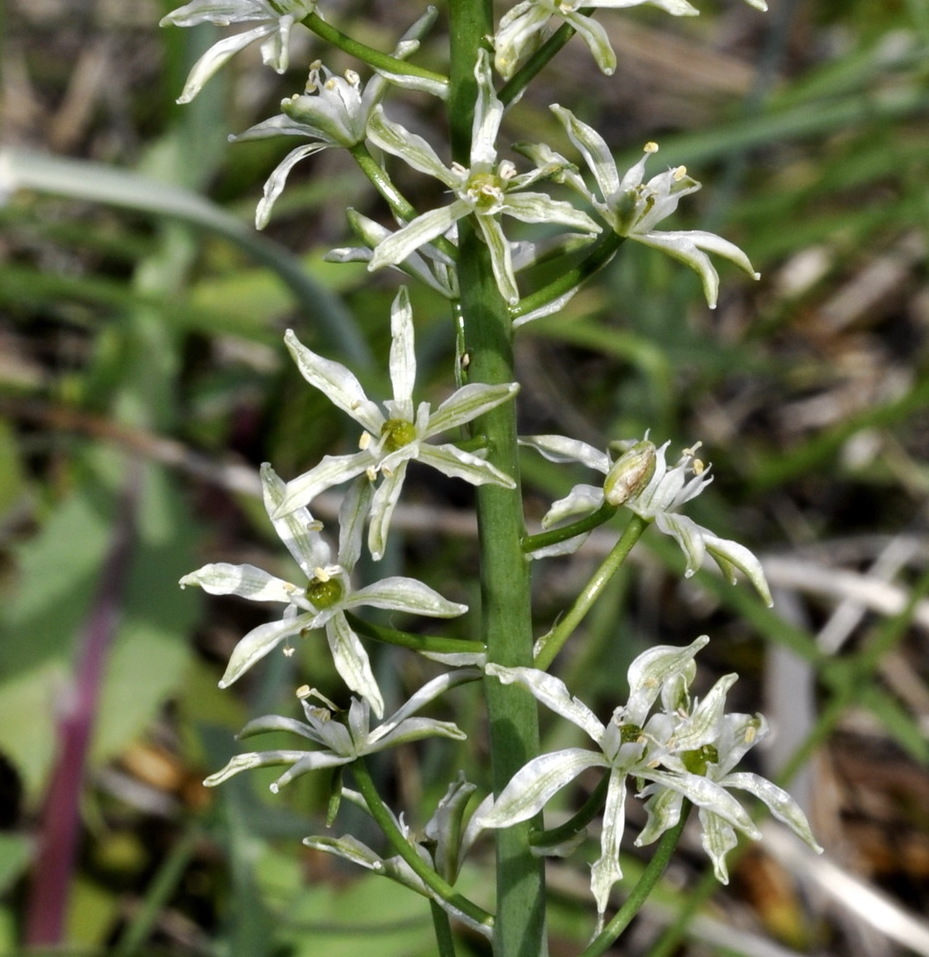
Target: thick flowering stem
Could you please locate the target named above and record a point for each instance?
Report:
(505, 597)
(553, 642)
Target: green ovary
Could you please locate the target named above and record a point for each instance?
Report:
(696, 761)
(324, 594)
(397, 433)
(486, 191)
(629, 733)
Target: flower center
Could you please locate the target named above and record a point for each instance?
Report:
(324, 593)
(396, 433)
(696, 760)
(629, 733)
(485, 191)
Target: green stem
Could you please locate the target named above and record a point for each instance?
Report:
(553, 642)
(565, 832)
(599, 256)
(361, 51)
(640, 893)
(603, 514)
(385, 820)
(506, 623)
(443, 931)
(400, 206)
(405, 639)
(536, 63)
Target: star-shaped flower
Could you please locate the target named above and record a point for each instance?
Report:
(685, 748)
(524, 28)
(327, 596)
(714, 756)
(344, 741)
(640, 480)
(634, 208)
(332, 110)
(635, 743)
(395, 433)
(487, 189)
(276, 19)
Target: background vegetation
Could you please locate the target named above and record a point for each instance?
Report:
(143, 379)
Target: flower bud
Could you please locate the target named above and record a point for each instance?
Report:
(630, 473)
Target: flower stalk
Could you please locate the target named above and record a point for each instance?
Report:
(505, 595)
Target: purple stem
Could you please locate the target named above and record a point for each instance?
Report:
(47, 906)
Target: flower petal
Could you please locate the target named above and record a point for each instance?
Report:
(558, 448)
(259, 642)
(467, 403)
(606, 871)
(596, 38)
(554, 694)
(383, 504)
(352, 515)
(652, 668)
(500, 259)
(332, 470)
(706, 794)
(412, 149)
(452, 461)
(296, 528)
(488, 114)
(406, 240)
(594, 150)
(779, 802)
(402, 353)
(246, 581)
(306, 760)
(337, 383)
(405, 594)
(533, 785)
(352, 662)
(275, 183)
(217, 55)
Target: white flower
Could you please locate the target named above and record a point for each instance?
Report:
(634, 208)
(487, 189)
(686, 749)
(276, 18)
(395, 433)
(333, 110)
(640, 480)
(523, 28)
(714, 756)
(344, 742)
(633, 743)
(324, 600)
